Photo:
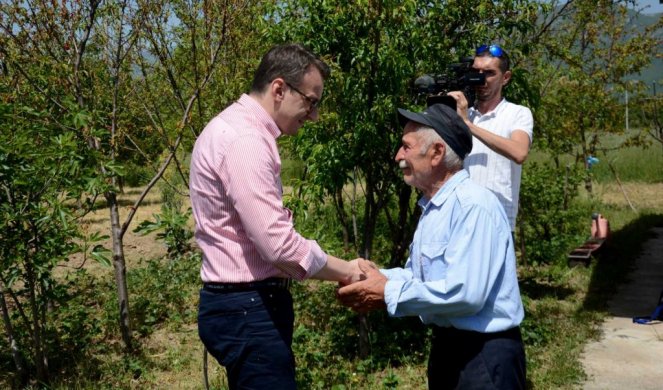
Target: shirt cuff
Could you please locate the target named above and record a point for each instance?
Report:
(392, 292)
(396, 274)
(317, 259)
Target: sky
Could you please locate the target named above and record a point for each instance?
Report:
(653, 6)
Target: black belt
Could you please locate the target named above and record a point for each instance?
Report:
(459, 334)
(247, 286)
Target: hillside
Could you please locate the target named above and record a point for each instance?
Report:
(654, 72)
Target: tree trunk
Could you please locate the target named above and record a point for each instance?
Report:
(370, 218)
(403, 234)
(353, 206)
(119, 265)
(588, 183)
(369, 231)
(339, 205)
(19, 362)
(40, 359)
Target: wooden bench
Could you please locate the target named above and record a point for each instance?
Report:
(599, 234)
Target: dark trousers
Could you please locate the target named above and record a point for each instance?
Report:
(467, 360)
(250, 334)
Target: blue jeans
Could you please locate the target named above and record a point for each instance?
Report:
(466, 360)
(250, 334)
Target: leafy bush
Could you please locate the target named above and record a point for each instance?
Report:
(172, 224)
(550, 219)
(173, 184)
(43, 172)
(326, 340)
(164, 293)
(137, 175)
(164, 289)
(75, 329)
(173, 229)
(291, 170)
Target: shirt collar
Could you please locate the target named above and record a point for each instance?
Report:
(260, 115)
(475, 113)
(445, 191)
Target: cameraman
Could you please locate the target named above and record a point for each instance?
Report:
(503, 129)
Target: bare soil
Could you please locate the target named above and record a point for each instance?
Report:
(136, 246)
(640, 195)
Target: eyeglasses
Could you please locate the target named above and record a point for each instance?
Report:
(313, 102)
(494, 50)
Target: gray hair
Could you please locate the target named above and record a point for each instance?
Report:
(428, 136)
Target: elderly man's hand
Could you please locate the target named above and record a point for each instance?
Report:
(365, 295)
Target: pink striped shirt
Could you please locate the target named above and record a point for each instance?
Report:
(242, 227)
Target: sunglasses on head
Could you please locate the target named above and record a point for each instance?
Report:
(494, 50)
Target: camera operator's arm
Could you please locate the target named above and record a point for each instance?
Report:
(515, 148)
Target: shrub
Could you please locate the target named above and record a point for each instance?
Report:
(326, 339)
(136, 175)
(173, 229)
(550, 219)
(164, 289)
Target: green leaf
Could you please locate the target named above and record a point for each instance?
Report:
(100, 254)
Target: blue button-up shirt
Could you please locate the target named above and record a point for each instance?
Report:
(461, 271)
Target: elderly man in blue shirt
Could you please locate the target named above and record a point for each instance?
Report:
(460, 276)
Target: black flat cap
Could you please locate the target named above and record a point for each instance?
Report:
(448, 124)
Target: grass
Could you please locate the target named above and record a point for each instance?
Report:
(634, 164)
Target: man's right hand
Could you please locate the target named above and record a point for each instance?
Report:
(341, 271)
(356, 275)
(461, 104)
(367, 294)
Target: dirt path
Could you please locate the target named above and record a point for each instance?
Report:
(628, 355)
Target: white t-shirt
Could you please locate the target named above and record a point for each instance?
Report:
(492, 170)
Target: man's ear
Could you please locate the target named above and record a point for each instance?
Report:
(277, 89)
(507, 78)
(438, 151)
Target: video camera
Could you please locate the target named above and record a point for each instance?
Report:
(459, 77)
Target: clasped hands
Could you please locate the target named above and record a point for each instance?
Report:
(366, 291)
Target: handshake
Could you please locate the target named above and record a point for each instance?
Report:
(365, 290)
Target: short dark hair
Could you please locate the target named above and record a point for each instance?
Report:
(504, 59)
(289, 62)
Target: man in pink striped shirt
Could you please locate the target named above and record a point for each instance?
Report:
(250, 248)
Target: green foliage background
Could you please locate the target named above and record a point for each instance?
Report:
(77, 120)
